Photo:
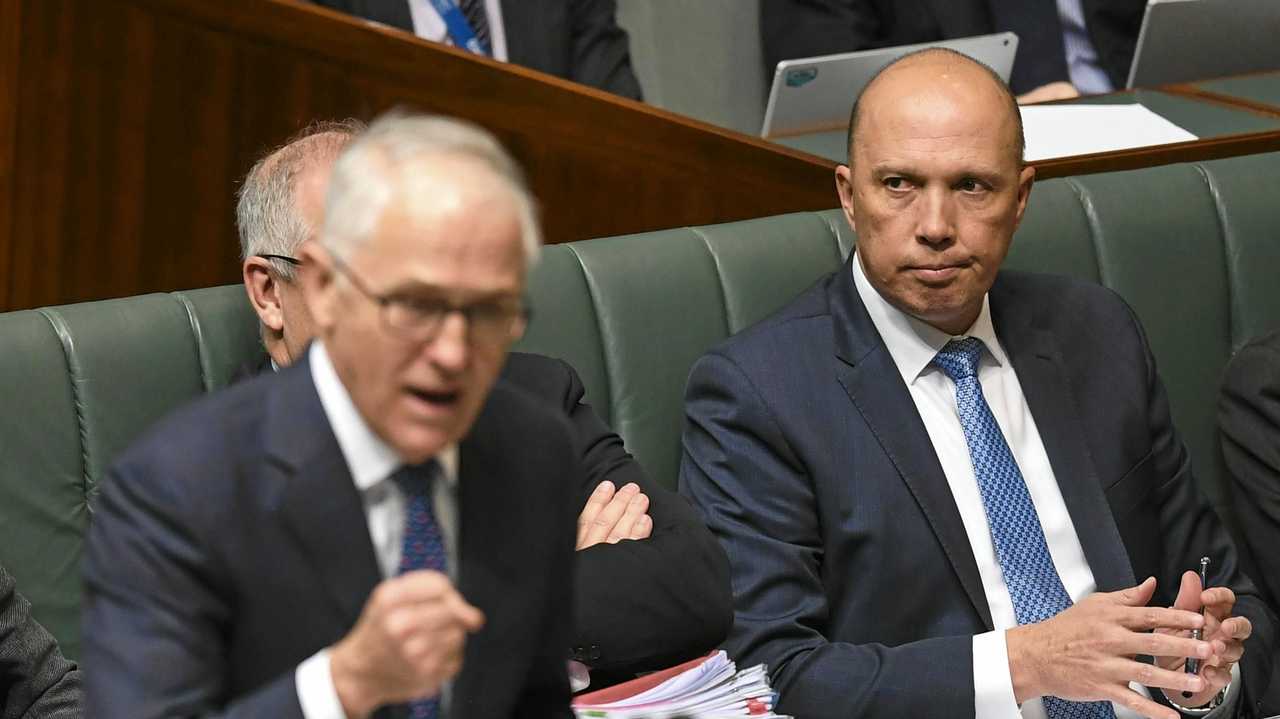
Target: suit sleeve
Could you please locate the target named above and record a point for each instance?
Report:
(1249, 419)
(759, 501)
(792, 29)
(600, 48)
(154, 625)
(642, 605)
(35, 679)
(1191, 529)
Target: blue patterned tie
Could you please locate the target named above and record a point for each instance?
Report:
(1021, 549)
(423, 546)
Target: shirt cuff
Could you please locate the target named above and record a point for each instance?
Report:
(992, 680)
(316, 693)
(1230, 697)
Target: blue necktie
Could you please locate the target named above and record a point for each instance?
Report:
(423, 546)
(479, 21)
(1021, 549)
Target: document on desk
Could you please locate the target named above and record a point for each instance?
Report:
(706, 688)
(1067, 130)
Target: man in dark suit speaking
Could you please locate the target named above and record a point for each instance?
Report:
(947, 490)
(639, 605)
(378, 527)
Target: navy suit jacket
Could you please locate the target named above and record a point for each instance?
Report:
(852, 574)
(638, 606)
(578, 40)
(1249, 419)
(230, 544)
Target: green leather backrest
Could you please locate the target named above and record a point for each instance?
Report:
(80, 382)
(1190, 247)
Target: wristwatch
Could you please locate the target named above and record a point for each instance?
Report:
(1200, 711)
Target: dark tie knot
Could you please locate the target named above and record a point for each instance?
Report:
(416, 479)
(959, 358)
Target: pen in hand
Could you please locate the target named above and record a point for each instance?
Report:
(1193, 663)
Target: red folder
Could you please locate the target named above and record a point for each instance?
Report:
(625, 690)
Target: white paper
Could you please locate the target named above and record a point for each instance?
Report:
(1066, 130)
(711, 690)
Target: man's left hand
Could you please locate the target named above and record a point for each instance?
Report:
(1225, 632)
(612, 516)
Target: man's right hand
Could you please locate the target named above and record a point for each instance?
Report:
(408, 642)
(1060, 90)
(612, 516)
(1086, 653)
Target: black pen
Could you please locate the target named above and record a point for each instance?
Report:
(1193, 664)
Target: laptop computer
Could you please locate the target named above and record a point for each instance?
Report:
(1188, 40)
(815, 94)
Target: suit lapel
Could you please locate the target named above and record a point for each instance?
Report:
(867, 372)
(520, 14)
(390, 12)
(319, 503)
(489, 569)
(1038, 362)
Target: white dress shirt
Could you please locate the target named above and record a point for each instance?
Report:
(428, 25)
(913, 344)
(371, 463)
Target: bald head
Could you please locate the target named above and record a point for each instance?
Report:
(931, 79)
(282, 198)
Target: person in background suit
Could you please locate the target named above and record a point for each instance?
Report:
(1249, 425)
(577, 40)
(948, 490)
(1066, 48)
(379, 528)
(638, 605)
(35, 679)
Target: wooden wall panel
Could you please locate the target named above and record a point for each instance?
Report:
(10, 24)
(134, 121)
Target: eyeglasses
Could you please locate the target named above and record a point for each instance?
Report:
(285, 271)
(420, 318)
(283, 258)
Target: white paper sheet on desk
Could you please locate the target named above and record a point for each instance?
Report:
(1066, 130)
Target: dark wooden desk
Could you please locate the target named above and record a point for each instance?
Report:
(1259, 92)
(1224, 129)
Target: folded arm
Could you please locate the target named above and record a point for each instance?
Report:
(642, 605)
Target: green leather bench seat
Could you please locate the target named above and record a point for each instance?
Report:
(1191, 247)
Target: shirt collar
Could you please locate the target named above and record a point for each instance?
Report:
(913, 343)
(369, 459)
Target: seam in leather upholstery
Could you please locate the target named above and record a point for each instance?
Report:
(1228, 266)
(197, 334)
(75, 373)
(1095, 232)
(835, 230)
(604, 354)
(724, 294)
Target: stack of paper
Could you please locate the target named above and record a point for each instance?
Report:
(706, 688)
(1066, 130)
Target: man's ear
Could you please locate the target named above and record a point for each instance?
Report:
(844, 188)
(264, 292)
(1026, 179)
